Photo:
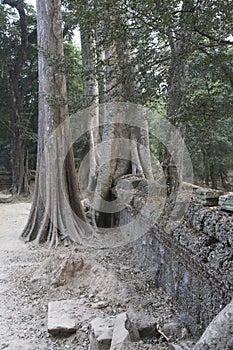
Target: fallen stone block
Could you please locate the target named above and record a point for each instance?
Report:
(60, 320)
(123, 332)
(100, 333)
(148, 331)
(181, 346)
(173, 330)
(208, 196)
(218, 335)
(226, 202)
(175, 347)
(5, 198)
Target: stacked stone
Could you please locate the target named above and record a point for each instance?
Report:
(226, 202)
(208, 197)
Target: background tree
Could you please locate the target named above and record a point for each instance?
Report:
(209, 102)
(21, 72)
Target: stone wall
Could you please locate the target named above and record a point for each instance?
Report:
(192, 262)
(198, 291)
(5, 180)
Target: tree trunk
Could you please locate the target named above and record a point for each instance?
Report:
(177, 84)
(56, 210)
(213, 176)
(91, 98)
(19, 155)
(118, 158)
(19, 85)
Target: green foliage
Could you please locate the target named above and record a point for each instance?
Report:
(73, 70)
(208, 111)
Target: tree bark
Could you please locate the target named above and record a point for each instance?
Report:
(56, 206)
(177, 83)
(91, 98)
(136, 159)
(18, 88)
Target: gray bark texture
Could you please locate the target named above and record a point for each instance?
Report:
(56, 205)
(91, 99)
(179, 41)
(18, 89)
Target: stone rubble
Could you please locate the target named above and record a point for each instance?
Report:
(208, 196)
(173, 331)
(123, 332)
(101, 333)
(219, 334)
(5, 198)
(184, 345)
(226, 202)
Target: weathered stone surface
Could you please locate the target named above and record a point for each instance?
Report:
(207, 196)
(185, 345)
(148, 330)
(100, 305)
(5, 198)
(226, 202)
(175, 347)
(173, 330)
(100, 333)
(123, 332)
(222, 199)
(192, 262)
(18, 344)
(214, 223)
(189, 257)
(219, 334)
(60, 319)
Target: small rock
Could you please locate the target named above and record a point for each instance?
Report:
(175, 347)
(148, 331)
(100, 305)
(186, 345)
(60, 320)
(218, 335)
(123, 332)
(173, 330)
(5, 198)
(100, 333)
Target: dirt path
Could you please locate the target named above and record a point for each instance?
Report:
(27, 276)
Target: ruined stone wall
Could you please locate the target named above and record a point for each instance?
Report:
(5, 180)
(192, 262)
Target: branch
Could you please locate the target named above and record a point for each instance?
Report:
(211, 38)
(28, 81)
(22, 51)
(32, 37)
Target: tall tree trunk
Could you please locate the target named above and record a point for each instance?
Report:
(56, 205)
(91, 99)
(116, 159)
(18, 87)
(177, 84)
(19, 153)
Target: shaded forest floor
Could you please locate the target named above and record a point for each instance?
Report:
(32, 276)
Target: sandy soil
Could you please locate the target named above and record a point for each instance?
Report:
(32, 276)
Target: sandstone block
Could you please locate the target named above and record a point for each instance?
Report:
(100, 333)
(219, 334)
(123, 332)
(60, 320)
(208, 196)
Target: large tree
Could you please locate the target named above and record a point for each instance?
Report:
(56, 210)
(112, 64)
(21, 72)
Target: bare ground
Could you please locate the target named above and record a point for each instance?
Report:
(32, 276)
